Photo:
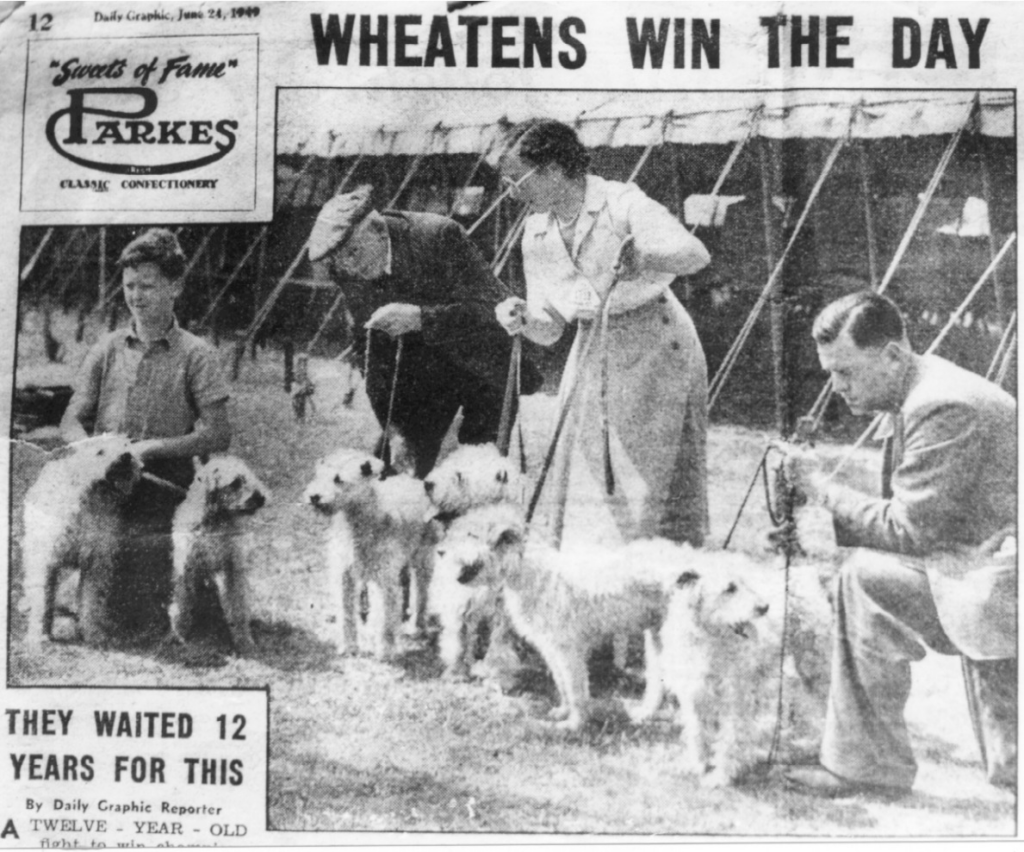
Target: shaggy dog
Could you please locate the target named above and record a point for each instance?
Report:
(472, 476)
(463, 609)
(723, 654)
(710, 663)
(566, 603)
(74, 520)
(205, 535)
(377, 529)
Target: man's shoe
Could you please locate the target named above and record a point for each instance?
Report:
(818, 781)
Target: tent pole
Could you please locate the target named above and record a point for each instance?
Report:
(932, 348)
(1000, 349)
(414, 167)
(338, 300)
(261, 313)
(986, 188)
(58, 259)
(730, 359)
(869, 219)
(469, 182)
(27, 271)
(102, 264)
(929, 192)
(261, 268)
(769, 177)
(262, 233)
(954, 317)
(1004, 367)
(821, 404)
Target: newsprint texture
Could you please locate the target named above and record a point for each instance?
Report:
(526, 421)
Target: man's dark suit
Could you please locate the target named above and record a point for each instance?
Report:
(461, 355)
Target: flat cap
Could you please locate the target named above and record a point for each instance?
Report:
(338, 219)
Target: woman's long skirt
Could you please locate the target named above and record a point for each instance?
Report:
(657, 389)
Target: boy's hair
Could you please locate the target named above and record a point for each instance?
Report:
(871, 319)
(543, 141)
(158, 246)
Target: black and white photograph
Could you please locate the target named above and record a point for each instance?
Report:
(583, 462)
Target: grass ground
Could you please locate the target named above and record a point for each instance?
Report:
(357, 745)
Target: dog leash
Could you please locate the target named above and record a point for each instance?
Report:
(511, 383)
(163, 483)
(606, 434)
(570, 397)
(385, 450)
(513, 393)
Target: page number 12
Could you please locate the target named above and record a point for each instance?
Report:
(40, 22)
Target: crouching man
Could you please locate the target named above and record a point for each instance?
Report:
(948, 487)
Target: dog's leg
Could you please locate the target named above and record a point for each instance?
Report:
(392, 596)
(380, 621)
(183, 593)
(341, 585)
(693, 720)
(501, 662)
(654, 688)
(577, 689)
(620, 650)
(421, 567)
(38, 603)
(234, 601)
(555, 661)
(725, 752)
(452, 645)
(348, 613)
(93, 594)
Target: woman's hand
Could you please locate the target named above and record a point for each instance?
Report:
(512, 314)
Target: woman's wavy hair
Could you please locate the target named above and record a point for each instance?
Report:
(541, 141)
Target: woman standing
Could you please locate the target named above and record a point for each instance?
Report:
(656, 399)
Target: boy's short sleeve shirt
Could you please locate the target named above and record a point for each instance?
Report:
(154, 390)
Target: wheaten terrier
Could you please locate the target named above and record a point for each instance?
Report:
(709, 663)
(566, 603)
(74, 520)
(206, 533)
(473, 475)
(377, 530)
(723, 654)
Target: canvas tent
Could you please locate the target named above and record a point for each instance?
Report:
(863, 157)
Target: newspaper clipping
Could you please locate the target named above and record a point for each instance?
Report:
(441, 422)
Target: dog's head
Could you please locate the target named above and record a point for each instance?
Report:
(477, 544)
(472, 476)
(230, 486)
(338, 475)
(106, 459)
(719, 602)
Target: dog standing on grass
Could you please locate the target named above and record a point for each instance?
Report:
(566, 603)
(74, 520)
(378, 528)
(206, 535)
(723, 653)
(472, 476)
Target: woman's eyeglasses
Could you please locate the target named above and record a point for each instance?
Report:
(512, 187)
